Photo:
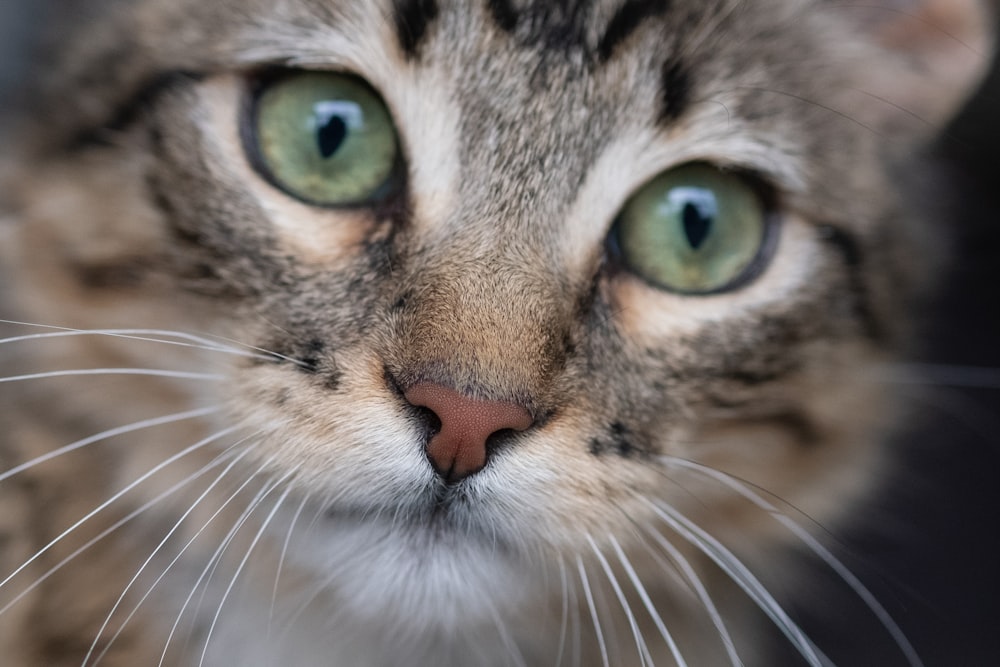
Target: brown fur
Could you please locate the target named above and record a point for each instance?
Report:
(524, 129)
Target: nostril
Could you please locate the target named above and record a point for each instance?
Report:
(429, 419)
(467, 426)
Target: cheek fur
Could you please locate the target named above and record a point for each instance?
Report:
(449, 425)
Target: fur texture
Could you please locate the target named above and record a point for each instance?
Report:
(269, 487)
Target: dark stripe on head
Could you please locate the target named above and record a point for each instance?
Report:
(625, 21)
(412, 18)
(551, 25)
(675, 91)
(504, 14)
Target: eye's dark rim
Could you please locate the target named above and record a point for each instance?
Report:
(770, 204)
(389, 196)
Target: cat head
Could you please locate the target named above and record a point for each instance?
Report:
(528, 275)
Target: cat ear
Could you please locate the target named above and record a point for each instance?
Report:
(930, 56)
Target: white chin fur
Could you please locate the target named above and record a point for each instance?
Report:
(419, 580)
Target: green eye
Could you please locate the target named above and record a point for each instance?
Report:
(694, 229)
(325, 138)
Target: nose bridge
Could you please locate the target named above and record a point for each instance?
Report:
(489, 326)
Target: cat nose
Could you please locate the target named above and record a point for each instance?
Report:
(459, 449)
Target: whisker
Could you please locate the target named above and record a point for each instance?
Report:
(508, 642)
(918, 19)
(176, 558)
(564, 615)
(848, 577)
(142, 335)
(150, 372)
(209, 567)
(679, 561)
(116, 496)
(640, 643)
(221, 458)
(109, 530)
(269, 486)
(806, 100)
(647, 601)
(593, 612)
(246, 557)
(281, 560)
(575, 622)
(104, 435)
(209, 342)
(741, 576)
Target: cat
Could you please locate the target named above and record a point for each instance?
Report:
(427, 332)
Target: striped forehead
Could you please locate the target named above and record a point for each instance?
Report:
(571, 39)
(520, 97)
(596, 28)
(582, 33)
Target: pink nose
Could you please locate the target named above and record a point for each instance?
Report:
(459, 448)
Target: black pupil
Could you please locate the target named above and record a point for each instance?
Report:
(697, 224)
(331, 135)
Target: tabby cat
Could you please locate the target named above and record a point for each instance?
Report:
(441, 332)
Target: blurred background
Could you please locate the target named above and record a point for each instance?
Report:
(929, 545)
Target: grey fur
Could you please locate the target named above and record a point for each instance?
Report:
(137, 206)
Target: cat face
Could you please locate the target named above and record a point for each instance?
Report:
(639, 249)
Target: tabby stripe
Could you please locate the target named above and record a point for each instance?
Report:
(504, 14)
(126, 113)
(553, 25)
(413, 18)
(629, 17)
(675, 91)
(850, 250)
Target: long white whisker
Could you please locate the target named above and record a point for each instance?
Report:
(107, 531)
(281, 560)
(694, 581)
(640, 643)
(218, 552)
(817, 547)
(593, 612)
(570, 633)
(243, 562)
(269, 486)
(564, 615)
(741, 576)
(576, 623)
(104, 435)
(508, 642)
(210, 342)
(148, 372)
(226, 455)
(161, 336)
(647, 601)
(116, 496)
(177, 557)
